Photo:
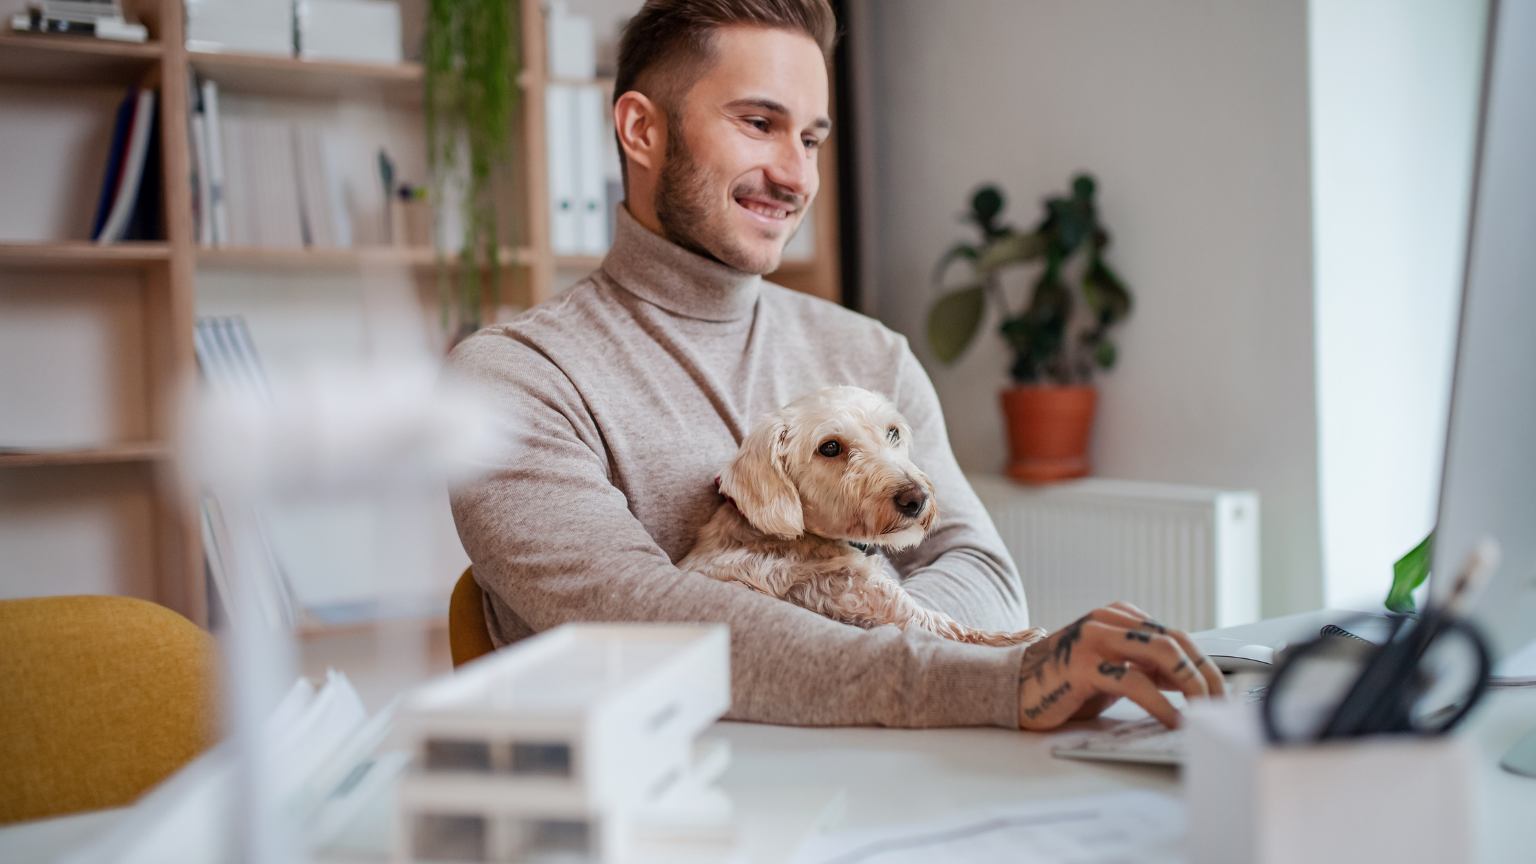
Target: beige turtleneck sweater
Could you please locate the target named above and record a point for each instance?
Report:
(622, 399)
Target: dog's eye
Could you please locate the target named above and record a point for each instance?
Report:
(830, 449)
(894, 434)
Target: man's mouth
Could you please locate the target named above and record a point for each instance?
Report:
(768, 210)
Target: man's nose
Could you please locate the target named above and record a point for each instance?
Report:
(793, 170)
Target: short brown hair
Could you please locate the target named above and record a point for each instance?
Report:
(668, 39)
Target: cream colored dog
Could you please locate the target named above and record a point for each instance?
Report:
(810, 494)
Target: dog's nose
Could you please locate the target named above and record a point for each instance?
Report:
(910, 500)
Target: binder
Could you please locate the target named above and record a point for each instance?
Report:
(314, 194)
(564, 218)
(121, 128)
(591, 182)
(132, 169)
(217, 180)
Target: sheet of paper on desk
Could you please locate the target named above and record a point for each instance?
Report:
(1140, 827)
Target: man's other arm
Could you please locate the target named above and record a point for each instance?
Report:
(962, 567)
(554, 540)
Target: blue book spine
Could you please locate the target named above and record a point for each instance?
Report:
(115, 157)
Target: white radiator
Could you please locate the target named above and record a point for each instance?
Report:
(1187, 555)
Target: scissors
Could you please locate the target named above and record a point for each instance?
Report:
(1424, 678)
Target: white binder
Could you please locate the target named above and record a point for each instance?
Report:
(591, 184)
(560, 133)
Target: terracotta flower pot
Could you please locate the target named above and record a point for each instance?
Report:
(1048, 431)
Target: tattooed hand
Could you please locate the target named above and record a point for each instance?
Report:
(1116, 651)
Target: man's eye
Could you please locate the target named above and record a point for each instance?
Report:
(894, 434)
(830, 449)
(812, 143)
(758, 123)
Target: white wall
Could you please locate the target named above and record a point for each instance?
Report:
(1394, 108)
(1193, 116)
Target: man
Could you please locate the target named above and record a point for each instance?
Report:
(623, 399)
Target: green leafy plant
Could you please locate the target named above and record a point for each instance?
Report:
(1408, 574)
(1038, 331)
(471, 60)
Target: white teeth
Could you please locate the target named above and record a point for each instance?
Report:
(765, 210)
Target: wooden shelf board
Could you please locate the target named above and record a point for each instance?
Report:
(529, 79)
(292, 76)
(129, 452)
(49, 59)
(262, 258)
(585, 263)
(592, 262)
(83, 253)
(312, 629)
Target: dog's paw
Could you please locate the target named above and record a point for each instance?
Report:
(1020, 637)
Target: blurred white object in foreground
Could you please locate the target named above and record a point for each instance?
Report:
(578, 742)
(1408, 799)
(382, 432)
(343, 429)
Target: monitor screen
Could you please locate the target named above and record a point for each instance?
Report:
(1488, 488)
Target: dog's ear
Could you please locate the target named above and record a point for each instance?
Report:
(757, 482)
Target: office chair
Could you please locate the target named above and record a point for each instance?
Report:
(104, 698)
(468, 636)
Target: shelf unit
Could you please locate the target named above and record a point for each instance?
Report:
(116, 453)
(44, 59)
(169, 271)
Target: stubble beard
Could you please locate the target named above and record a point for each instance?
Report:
(683, 199)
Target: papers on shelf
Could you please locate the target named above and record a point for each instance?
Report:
(1124, 826)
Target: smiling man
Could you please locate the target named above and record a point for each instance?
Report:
(622, 399)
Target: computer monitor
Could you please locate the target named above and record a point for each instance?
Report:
(1488, 484)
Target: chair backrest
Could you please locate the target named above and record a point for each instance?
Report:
(468, 636)
(104, 698)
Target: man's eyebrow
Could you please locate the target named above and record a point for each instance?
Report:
(770, 106)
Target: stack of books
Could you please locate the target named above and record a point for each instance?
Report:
(101, 19)
(227, 359)
(260, 180)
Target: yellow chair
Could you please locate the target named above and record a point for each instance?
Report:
(468, 636)
(104, 697)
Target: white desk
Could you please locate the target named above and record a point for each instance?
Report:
(784, 779)
(889, 776)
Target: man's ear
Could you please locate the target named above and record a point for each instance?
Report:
(757, 482)
(641, 128)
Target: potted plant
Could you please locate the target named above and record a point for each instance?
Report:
(1057, 345)
(470, 55)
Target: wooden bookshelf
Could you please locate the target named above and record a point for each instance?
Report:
(83, 254)
(309, 257)
(290, 76)
(148, 451)
(167, 273)
(40, 58)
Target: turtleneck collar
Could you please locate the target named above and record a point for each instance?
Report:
(659, 271)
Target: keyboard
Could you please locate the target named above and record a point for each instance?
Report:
(1144, 741)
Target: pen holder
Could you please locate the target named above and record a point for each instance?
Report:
(1403, 799)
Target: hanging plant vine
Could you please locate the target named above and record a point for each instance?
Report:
(471, 59)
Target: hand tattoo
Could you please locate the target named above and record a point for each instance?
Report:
(1138, 636)
(1113, 670)
(1154, 626)
(1069, 637)
(1057, 648)
(1183, 666)
(1047, 701)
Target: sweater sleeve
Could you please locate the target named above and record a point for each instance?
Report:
(962, 567)
(554, 541)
